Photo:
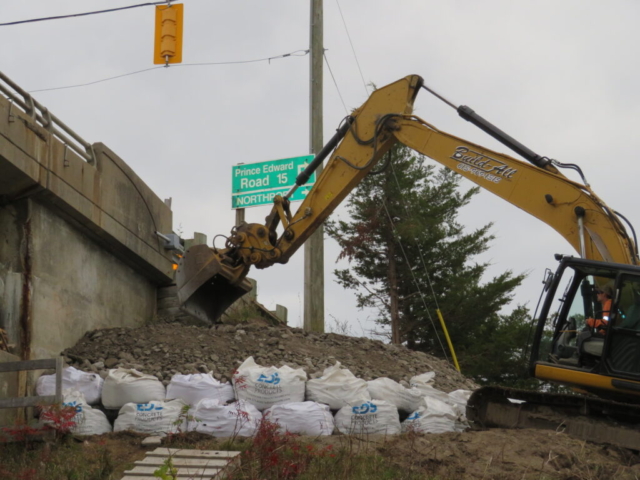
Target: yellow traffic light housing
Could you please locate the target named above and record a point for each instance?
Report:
(168, 34)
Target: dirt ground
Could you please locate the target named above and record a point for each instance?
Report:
(511, 454)
(488, 454)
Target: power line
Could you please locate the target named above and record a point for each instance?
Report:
(334, 82)
(59, 17)
(297, 53)
(352, 48)
(413, 275)
(95, 81)
(415, 239)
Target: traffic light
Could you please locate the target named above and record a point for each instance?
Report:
(168, 35)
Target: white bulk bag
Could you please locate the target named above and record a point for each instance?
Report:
(434, 416)
(157, 417)
(423, 379)
(405, 399)
(88, 421)
(89, 384)
(374, 416)
(337, 387)
(429, 391)
(123, 386)
(302, 418)
(268, 386)
(236, 419)
(459, 399)
(193, 388)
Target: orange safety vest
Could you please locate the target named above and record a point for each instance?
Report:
(600, 322)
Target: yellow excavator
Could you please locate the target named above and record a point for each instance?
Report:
(602, 364)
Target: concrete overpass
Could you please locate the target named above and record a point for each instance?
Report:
(78, 243)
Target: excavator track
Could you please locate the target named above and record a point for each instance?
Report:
(582, 417)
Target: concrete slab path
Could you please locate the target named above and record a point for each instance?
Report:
(190, 464)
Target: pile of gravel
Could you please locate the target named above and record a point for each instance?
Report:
(164, 350)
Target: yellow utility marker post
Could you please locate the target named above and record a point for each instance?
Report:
(168, 34)
(446, 335)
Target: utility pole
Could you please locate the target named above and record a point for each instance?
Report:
(314, 246)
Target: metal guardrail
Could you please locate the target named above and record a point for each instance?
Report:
(20, 402)
(40, 114)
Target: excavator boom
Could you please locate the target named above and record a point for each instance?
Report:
(209, 280)
(569, 207)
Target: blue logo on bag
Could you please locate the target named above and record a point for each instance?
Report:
(147, 407)
(273, 378)
(414, 416)
(75, 405)
(367, 407)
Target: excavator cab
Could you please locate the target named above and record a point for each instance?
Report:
(603, 360)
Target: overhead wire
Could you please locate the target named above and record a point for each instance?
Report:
(334, 82)
(413, 275)
(96, 81)
(379, 125)
(429, 282)
(352, 48)
(424, 264)
(60, 17)
(296, 53)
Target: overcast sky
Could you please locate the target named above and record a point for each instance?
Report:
(560, 76)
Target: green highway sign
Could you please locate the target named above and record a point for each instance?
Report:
(254, 199)
(254, 184)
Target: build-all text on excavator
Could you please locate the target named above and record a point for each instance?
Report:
(601, 361)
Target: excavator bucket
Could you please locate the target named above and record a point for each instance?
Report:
(207, 286)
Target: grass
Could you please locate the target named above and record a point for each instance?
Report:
(272, 455)
(356, 467)
(65, 460)
(277, 456)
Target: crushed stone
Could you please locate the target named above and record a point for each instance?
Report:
(164, 350)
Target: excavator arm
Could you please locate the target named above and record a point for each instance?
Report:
(209, 280)
(569, 207)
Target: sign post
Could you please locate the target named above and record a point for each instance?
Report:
(254, 184)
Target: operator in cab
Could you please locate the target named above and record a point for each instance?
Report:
(596, 327)
(604, 295)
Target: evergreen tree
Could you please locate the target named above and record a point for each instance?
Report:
(408, 256)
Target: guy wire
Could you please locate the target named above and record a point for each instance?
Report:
(415, 280)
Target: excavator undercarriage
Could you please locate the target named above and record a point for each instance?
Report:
(583, 417)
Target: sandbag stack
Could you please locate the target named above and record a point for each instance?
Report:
(127, 386)
(302, 418)
(193, 388)
(337, 387)
(157, 417)
(240, 418)
(439, 411)
(87, 420)
(265, 387)
(88, 384)
(405, 399)
(371, 417)
(336, 401)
